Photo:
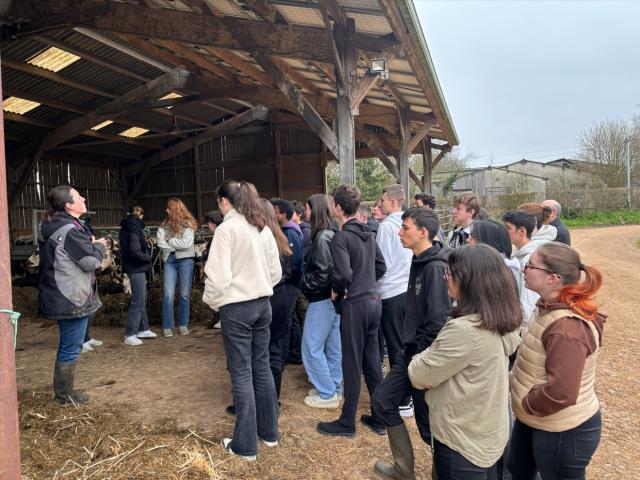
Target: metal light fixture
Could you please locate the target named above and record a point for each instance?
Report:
(379, 66)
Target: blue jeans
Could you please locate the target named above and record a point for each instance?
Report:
(71, 338)
(245, 335)
(555, 455)
(180, 272)
(137, 320)
(321, 350)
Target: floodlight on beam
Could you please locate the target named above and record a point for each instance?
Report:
(379, 66)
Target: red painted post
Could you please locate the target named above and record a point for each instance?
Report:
(9, 436)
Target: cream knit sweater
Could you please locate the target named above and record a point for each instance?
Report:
(243, 264)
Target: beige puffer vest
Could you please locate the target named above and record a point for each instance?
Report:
(529, 371)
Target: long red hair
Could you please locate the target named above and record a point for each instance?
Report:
(178, 217)
(577, 293)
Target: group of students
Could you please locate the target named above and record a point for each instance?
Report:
(454, 321)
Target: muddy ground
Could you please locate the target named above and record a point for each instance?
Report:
(157, 411)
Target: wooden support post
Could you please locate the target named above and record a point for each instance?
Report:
(197, 180)
(279, 162)
(427, 163)
(345, 125)
(404, 125)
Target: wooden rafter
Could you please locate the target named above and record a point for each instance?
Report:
(335, 11)
(365, 83)
(419, 135)
(294, 76)
(242, 65)
(200, 60)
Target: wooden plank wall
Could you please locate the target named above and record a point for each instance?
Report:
(99, 185)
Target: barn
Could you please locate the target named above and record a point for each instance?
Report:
(142, 100)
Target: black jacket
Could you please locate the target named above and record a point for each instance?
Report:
(563, 235)
(318, 264)
(306, 235)
(357, 260)
(68, 261)
(286, 264)
(134, 249)
(373, 225)
(428, 301)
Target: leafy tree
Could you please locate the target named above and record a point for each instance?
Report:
(371, 177)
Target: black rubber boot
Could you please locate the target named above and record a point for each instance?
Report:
(402, 451)
(63, 378)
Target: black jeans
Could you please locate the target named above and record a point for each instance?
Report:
(294, 353)
(281, 308)
(451, 465)
(359, 339)
(245, 335)
(390, 394)
(392, 321)
(556, 455)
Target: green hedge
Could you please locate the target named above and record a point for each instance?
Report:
(619, 217)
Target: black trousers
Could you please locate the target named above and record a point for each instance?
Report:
(295, 322)
(359, 339)
(392, 321)
(280, 328)
(392, 392)
(555, 455)
(451, 465)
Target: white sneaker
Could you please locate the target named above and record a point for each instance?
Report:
(314, 392)
(94, 342)
(167, 332)
(406, 411)
(86, 347)
(184, 331)
(268, 444)
(146, 334)
(132, 341)
(316, 401)
(218, 324)
(248, 458)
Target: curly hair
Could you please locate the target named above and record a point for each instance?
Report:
(178, 217)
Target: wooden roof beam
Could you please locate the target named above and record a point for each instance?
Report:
(200, 60)
(419, 135)
(335, 11)
(242, 65)
(367, 82)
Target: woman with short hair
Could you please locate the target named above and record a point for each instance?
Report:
(558, 423)
(242, 269)
(175, 240)
(136, 262)
(465, 368)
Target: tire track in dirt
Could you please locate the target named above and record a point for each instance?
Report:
(613, 250)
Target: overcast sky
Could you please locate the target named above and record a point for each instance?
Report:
(524, 78)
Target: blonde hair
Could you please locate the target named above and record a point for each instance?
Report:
(178, 217)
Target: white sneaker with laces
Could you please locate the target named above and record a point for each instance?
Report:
(315, 392)
(248, 458)
(406, 411)
(268, 443)
(146, 334)
(167, 332)
(132, 341)
(86, 347)
(94, 342)
(184, 331)
(316, 401)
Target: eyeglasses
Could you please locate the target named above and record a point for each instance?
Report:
(531, 267)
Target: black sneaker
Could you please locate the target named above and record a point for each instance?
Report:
(231, 410)
(369, 422)
(336, 429)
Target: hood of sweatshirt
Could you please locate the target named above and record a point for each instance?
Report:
(293, 225)
(132, 224)
(547, 233)
(530, 247)
(436, 252)
(360, 229)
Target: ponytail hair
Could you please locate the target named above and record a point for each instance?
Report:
(244, 198)
(58, 197)
(578, 294)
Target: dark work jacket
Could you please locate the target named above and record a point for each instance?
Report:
(427, 298)
(295, 237)
(563, 235)
(358, 262)
(318, 264)
(286, 263)
(306, 235)
(134, 249)
(68, 261)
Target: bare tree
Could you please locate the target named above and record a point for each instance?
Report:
(451, 167)
(604, 146)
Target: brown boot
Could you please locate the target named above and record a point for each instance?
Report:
(402, 451)
(63, 378)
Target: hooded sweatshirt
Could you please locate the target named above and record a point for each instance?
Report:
(134, 249)
(68, 261)
(427, 298)
(396, 257)
(355, 274)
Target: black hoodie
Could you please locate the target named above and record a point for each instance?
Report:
(428, 301)
(136, 257)
(358, 262)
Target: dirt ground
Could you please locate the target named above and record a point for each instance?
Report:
(157, 411)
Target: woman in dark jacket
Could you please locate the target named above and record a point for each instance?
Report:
(321, 350)
(136, 261)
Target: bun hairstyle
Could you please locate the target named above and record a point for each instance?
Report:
(245, 199)
(577, 293)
